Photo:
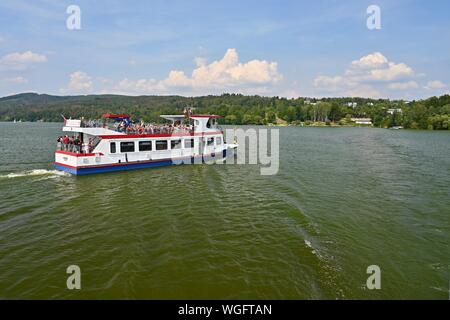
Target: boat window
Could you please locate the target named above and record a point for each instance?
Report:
(145, 145)
(210, 141)
(161, 145)
(112, 147)
(218, 141)
(175, 144)
(127, 146)
(212, 123)
(188, 143)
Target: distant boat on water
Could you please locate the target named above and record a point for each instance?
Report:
(396, 127)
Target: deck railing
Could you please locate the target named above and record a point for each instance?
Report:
(146, 128)
(70, 147)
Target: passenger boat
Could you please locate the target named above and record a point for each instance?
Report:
(116, 143)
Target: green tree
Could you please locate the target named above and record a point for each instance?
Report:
(271, 117)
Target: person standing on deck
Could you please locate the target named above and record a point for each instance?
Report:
(90, 145)
(66, 141)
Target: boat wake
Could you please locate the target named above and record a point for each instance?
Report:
(35, 172)
(313, 250)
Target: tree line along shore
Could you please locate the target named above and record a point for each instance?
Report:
(432, 113)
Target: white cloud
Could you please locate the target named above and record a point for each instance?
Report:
(104, 80)
(403, 85)
(130, 86)
(391, 72)
(225, 74)
(176, 79)
(371, 61)
(17, 80)
(366, 76)
(20, 61)
(79, 82)
(330, 83)
(199, 61)
(436, 84)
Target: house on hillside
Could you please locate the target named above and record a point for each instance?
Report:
(394, 110)
(362, 121)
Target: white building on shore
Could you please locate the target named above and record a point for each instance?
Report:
(363, 121)
(394, 110)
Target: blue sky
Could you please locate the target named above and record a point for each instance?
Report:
(285, 48)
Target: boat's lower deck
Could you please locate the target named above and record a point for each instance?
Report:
(132, 165)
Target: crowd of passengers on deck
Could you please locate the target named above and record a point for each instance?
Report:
(128, 127)
(74, 144)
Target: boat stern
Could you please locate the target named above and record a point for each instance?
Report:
(74, 162)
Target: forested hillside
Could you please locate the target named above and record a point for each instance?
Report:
(432, 113)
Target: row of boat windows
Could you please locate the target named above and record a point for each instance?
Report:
(147, 145)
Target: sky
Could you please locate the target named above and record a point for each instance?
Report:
(199, 47)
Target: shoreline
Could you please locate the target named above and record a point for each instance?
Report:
(301, 125)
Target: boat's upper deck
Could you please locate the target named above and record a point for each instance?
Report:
(123, 126)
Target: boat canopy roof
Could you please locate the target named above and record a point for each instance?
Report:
(173, 117)
(212, 116)
(120, 116)
(179, 117)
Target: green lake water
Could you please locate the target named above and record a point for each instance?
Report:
(343, 199)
